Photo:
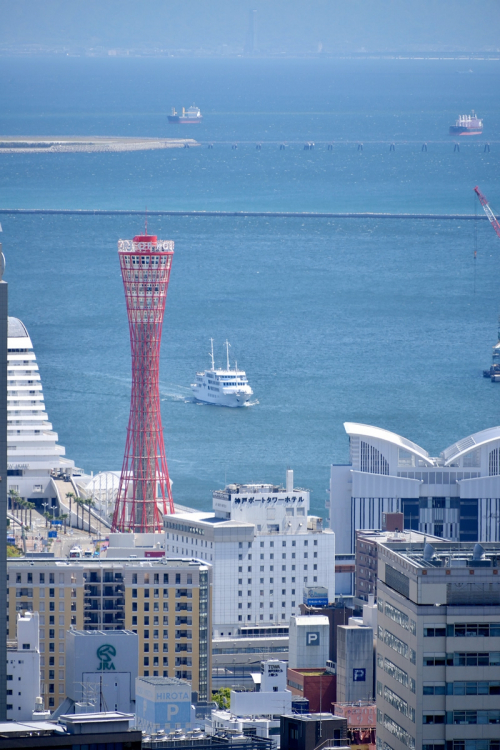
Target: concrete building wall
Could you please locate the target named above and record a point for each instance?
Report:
(438, 646)
(23, 670)
(102, 662)
(354, 664)
(309, 641)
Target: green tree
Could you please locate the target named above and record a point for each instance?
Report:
(63, 517)
(223, 698)
(70, 496)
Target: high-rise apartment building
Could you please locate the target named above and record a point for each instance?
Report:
(264, 548)
(455, 495)
(166, 602)
(438, 646)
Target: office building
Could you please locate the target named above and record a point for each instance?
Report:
(309, 645)
(455, 496)
(438, 646)
(264, 548)
(318, 686)
(101, 669)
(166, 602)
(367, 541)
(102, 730)
(163, 704)
(236, 657)
(311, 731)
(199, 740)
(23, 669)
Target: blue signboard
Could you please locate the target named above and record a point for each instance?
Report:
(52, 534)
(359, 675)
(312, 638)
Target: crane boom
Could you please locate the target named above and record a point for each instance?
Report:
(487, 210)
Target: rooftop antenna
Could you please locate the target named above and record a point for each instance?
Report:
(212, 353)
(227, 352)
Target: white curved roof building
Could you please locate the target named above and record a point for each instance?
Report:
(32, 450)
(455, 495)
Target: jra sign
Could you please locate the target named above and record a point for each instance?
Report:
(105, 654)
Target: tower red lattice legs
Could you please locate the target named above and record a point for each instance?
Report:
(144, 491)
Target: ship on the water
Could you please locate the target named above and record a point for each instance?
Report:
(494, 372)
(189, 116)
(467, 125)
(222, 387)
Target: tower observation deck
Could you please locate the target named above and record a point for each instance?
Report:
(144, 493)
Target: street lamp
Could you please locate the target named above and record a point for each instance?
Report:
(46, 505)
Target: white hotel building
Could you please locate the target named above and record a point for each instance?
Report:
(455, 495)
(264, 547)
(32, 450)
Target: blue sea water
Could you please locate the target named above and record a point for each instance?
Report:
(380, 321)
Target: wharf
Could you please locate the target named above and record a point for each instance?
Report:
(20, 144)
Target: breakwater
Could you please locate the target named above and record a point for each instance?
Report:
(242, 214)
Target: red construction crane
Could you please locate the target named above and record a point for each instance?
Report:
(487, 210)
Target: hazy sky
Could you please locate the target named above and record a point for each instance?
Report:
(286, 25)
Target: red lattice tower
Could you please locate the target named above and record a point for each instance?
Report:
(144, 492)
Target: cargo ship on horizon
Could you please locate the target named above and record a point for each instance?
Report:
(189, 116)
(467, 125)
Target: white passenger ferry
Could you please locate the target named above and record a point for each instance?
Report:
(222, 387)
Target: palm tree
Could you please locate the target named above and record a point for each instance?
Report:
(71, 496)
(14, 499)
(79, 504)
(91, 504)
(46, 516)
(31, 506)
(63, 517)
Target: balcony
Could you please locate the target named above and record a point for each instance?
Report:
(184, 634)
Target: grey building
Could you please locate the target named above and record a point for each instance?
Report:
(101, 668)
(309, 731)
(354, 663)
(438, 646)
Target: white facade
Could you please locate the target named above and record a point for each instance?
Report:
(272, 699)
(23, 669)
(455, 496)
(32, 450)
(264, 548)
(309, 645)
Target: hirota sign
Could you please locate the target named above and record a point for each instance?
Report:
(105, 654)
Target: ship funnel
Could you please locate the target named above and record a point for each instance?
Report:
(289, 480)
(478, 552)
(429, 552)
